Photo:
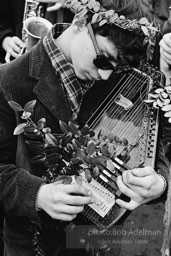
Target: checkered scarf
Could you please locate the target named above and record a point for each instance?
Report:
(74, 88)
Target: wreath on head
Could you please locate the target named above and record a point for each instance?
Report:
(103, 16)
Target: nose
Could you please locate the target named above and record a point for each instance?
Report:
(104, 74)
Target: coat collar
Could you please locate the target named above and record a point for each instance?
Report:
(49, 86)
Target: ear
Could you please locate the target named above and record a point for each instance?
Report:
(79, 23)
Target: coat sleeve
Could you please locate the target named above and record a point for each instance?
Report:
(18, 188)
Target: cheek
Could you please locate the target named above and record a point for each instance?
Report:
(82, 54)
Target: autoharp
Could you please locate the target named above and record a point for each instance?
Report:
(134, 127)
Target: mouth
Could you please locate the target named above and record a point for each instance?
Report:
(94, 78)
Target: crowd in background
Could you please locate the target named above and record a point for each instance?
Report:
(11, 21)
(161, 10)
(11, 24)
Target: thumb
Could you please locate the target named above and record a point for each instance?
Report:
(131, 205)
(142, 172)
(55, 7)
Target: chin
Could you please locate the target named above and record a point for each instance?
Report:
(81, 76)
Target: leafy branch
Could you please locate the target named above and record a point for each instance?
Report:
(60, 156)
(161, 98)
(71, 152)
(102, 16)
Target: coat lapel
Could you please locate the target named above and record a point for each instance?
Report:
(49, 88)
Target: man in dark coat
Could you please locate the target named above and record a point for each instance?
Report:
(57, 72)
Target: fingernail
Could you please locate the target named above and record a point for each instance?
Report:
(89, 193)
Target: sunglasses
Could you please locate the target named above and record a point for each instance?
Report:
(100, 61)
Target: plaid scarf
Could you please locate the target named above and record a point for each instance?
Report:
(74, 88)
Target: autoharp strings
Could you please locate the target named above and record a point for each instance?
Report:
(133, 87)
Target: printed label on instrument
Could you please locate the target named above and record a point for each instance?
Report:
(103, 199)
(123, 102)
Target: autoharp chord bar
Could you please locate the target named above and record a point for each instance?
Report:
(111, 184)
(110, 177)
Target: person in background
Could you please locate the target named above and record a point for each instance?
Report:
(11, 18)
(165, 67)
(58, 72)
(161, 10)
(11, 24)
(55, 4)
(165, 53)
(56, 11)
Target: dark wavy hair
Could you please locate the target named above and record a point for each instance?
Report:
(129, 44)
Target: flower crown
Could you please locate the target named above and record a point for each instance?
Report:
(103, 16)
